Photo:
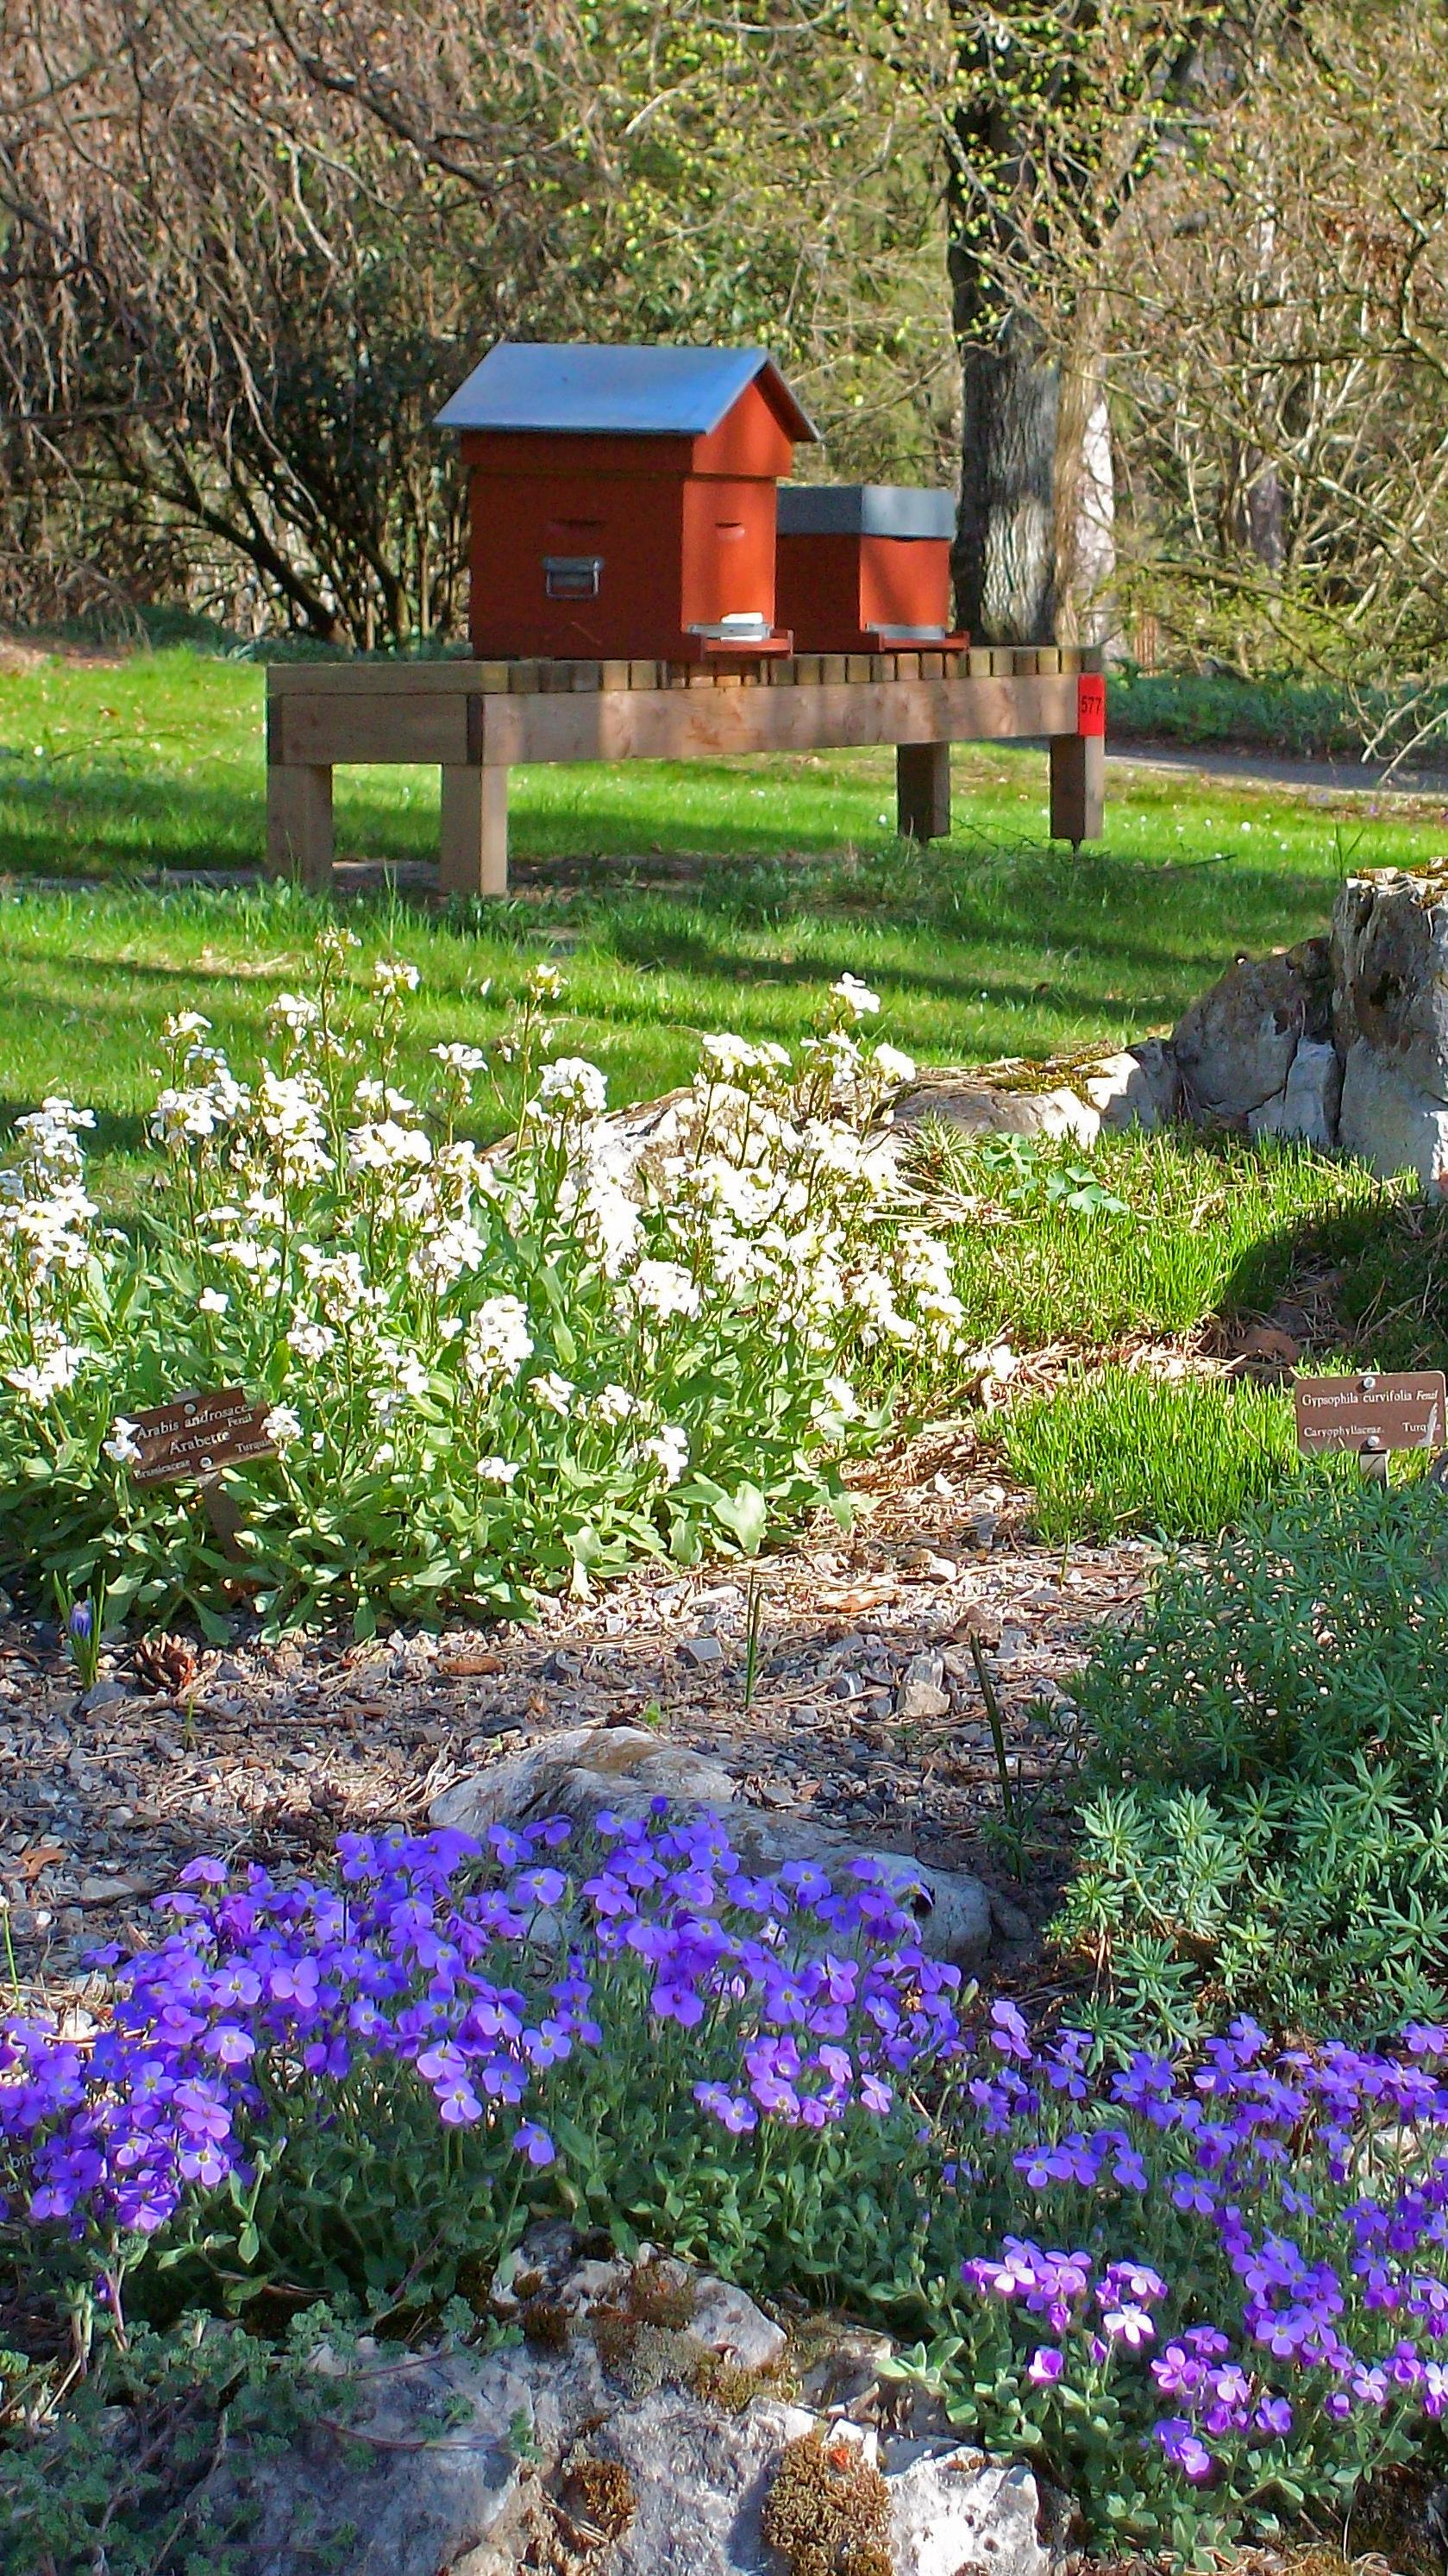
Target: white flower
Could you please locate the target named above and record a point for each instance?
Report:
(857, 997)
(404, 1368)
(495, 1471)
(123, 1445)
(391, 975)
(460, 1059)
(309, 1340)
(836, 1401)
(387, 1148)
(735, 1055)
(543, 983)
(456, 1247)
(894, 1066)
(213, 1301)
(574, 1084)
(282, 1426)
(612, 1404)
(338, 1283)
(184, 1024)
(553, 1392)
(294, 1011)
(662, 1288)
(371, 1094)
(55, 1370)
(498, 1340)
(874, 1300)
(669, 1452)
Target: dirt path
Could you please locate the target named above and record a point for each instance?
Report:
(281, 1748)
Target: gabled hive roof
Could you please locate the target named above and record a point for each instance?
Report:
(583, 387)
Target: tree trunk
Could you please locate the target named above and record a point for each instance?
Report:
(1004, 559)
(1085, 517)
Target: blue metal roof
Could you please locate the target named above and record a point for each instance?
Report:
(647, 393)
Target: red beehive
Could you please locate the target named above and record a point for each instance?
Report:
(621, 501)
(862, 566)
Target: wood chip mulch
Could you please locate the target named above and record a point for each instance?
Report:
(274, 1750)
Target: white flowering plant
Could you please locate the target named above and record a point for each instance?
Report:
(483, 1373)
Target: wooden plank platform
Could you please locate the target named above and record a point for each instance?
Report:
(475, 720)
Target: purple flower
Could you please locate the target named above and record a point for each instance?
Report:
(1184, 2449)
(1045, 2366)
(534, 2143)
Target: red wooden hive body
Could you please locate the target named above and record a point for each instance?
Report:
(622, 501)
(862, 566)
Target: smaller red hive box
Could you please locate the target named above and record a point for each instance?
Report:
(621, 500)
(862, 566)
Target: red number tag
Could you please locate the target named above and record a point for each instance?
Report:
(1091, 703)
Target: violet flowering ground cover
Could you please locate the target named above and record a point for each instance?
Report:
(1198, 2288)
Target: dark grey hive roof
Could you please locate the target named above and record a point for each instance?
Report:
(646, 393)
(864, 510)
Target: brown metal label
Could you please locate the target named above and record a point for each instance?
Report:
(197, 1434)
(1371, 1412)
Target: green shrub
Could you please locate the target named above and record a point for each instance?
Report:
(479, 1375)
(1269, 1827)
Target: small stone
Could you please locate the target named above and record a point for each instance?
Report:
(701, 1650)
(920, 1694)
(103, 1694)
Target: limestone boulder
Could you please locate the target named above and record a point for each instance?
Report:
(1390, 1124)
(1390, 974)
(1141, 1087)
(605, 2449)
(583, 1770)
(1021, 1100)
(1234, 1046)
(1309, 1102)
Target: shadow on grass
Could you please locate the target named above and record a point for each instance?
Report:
(1371, 1283)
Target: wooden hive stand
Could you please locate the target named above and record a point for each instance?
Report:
(478, 720)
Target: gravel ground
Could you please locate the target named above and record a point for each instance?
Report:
(271, 1751)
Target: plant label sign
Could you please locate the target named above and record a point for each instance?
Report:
(197, 1435)
(1371, 1413)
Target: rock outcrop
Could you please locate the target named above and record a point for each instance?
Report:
(649, 2420)
(585, 1769)
(1340, 1044)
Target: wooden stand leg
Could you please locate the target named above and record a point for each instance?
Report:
(299, 825)
(922, 790)
(1078, 787)
(474, 841)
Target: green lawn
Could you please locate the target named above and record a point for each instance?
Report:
(720, 894)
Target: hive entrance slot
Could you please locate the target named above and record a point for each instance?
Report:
(572, 576)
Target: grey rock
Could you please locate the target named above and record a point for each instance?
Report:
(700, 2481)
(103, 1694)
(958, 2511)
(1390, 974)
(702, 1650)
(583, 1769)
(1141, 1087)
(415, 2461)
(920, 1694)
(728, 2321)
(1391, 1124)
(980, 1107)
(1234, 1045)
(1307, 1107)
